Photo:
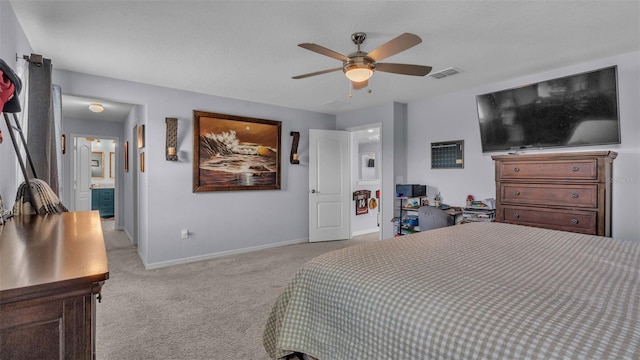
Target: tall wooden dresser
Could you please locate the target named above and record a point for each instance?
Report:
(52, 268)
(564, 191)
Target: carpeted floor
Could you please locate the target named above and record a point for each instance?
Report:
(213, 309)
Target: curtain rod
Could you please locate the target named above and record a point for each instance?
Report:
(35, 59)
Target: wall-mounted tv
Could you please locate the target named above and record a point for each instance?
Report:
(576, 110)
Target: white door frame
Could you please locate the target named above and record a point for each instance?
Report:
(379, 161)
(133, 167)
(116, 185)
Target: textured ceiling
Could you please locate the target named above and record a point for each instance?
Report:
(248, 49)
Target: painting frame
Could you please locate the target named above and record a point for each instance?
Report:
(232, 153)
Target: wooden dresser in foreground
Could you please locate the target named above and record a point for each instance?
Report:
(565, 191)
(52, 267)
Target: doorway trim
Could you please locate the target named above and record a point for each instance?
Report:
(117, 184)
(354, 169)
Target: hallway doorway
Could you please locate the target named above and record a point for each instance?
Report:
(94, 175)
(366, 171)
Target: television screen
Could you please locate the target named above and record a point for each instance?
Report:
(576, 110)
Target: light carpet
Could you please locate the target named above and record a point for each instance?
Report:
(213, 309)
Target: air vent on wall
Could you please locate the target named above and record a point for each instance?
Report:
(444, 73)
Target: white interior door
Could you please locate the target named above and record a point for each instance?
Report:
(329, 197)
(82, 178)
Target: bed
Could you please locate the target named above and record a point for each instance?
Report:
(471, 291)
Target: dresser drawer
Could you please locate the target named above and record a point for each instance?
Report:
(581, 221)
(581, 196)
(107, 200)
(548, 170)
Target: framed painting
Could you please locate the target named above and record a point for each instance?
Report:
(235, 153)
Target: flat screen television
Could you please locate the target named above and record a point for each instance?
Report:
(576, 110)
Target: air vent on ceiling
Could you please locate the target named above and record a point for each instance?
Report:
(444, 73)
(334, 104)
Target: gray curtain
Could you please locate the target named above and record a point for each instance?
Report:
(41, 135)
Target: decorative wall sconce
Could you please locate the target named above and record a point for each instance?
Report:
(293, 158)
(172, 139)
(126, 156)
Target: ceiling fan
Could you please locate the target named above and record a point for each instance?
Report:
(360, 66)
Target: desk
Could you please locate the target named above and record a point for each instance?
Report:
(454, 212)
(52, 268)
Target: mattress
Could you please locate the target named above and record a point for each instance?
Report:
(471, 291)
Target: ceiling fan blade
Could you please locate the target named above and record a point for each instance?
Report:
(316, 73)
(404, 69)
(323, 51)
(394, 46)
(359, 85)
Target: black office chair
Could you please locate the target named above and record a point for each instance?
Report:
(430, 217)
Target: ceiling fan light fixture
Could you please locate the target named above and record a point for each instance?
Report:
(96, 107)
(358, 72)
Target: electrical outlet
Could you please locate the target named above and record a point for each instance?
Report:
(185, 233)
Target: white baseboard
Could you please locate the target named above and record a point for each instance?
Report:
(363, 232)
(191, 259)
(128, 235)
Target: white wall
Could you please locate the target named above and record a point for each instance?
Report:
(127, 187)
(454, 117)
(219, 222)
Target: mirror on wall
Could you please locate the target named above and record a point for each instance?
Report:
(97, 164)
(368, 168)
(369, 155)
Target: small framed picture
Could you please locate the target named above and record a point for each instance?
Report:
(140, 136)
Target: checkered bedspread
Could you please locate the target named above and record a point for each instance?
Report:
(473, 291)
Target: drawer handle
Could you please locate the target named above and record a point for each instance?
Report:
(574, 195)
(575, 169)
(516, 215)
(516, 169)
(517, 193)
(574, 221)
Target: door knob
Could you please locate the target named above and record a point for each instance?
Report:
(313, 191)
